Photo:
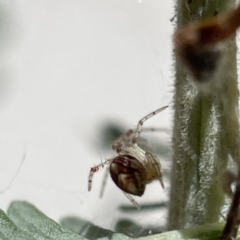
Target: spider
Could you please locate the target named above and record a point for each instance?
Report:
(132, 168)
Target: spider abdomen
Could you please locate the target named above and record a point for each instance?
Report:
(128, 174)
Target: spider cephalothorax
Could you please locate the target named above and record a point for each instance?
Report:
(132, 168)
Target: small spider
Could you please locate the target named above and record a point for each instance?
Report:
(132, 168)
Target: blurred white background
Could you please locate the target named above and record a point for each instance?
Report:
(67, 68)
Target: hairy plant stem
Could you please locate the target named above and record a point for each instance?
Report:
(206, 123)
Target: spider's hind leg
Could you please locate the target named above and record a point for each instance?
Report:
(131, 199)
(104, 182)
(156, 168)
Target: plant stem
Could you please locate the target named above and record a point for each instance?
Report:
(206, 123)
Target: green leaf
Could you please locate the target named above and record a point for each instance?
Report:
(26, 222)
(9, 231)
(36, 224)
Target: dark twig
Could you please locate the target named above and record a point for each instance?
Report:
(233, 218)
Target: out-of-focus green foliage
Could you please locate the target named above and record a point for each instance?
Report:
(205, 232)
(24, 221)
(24, 218)
(148, 206)
(134, 230)
(86, 228)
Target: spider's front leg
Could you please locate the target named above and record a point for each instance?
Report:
(96, 169)
(144, 119)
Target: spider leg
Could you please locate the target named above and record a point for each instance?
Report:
(96, 169)
(131, 199)
(140, 123)
(161, 181)
(104, 182)
(154, 161)
(132, 135)
(142, 141)
(158, 167)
